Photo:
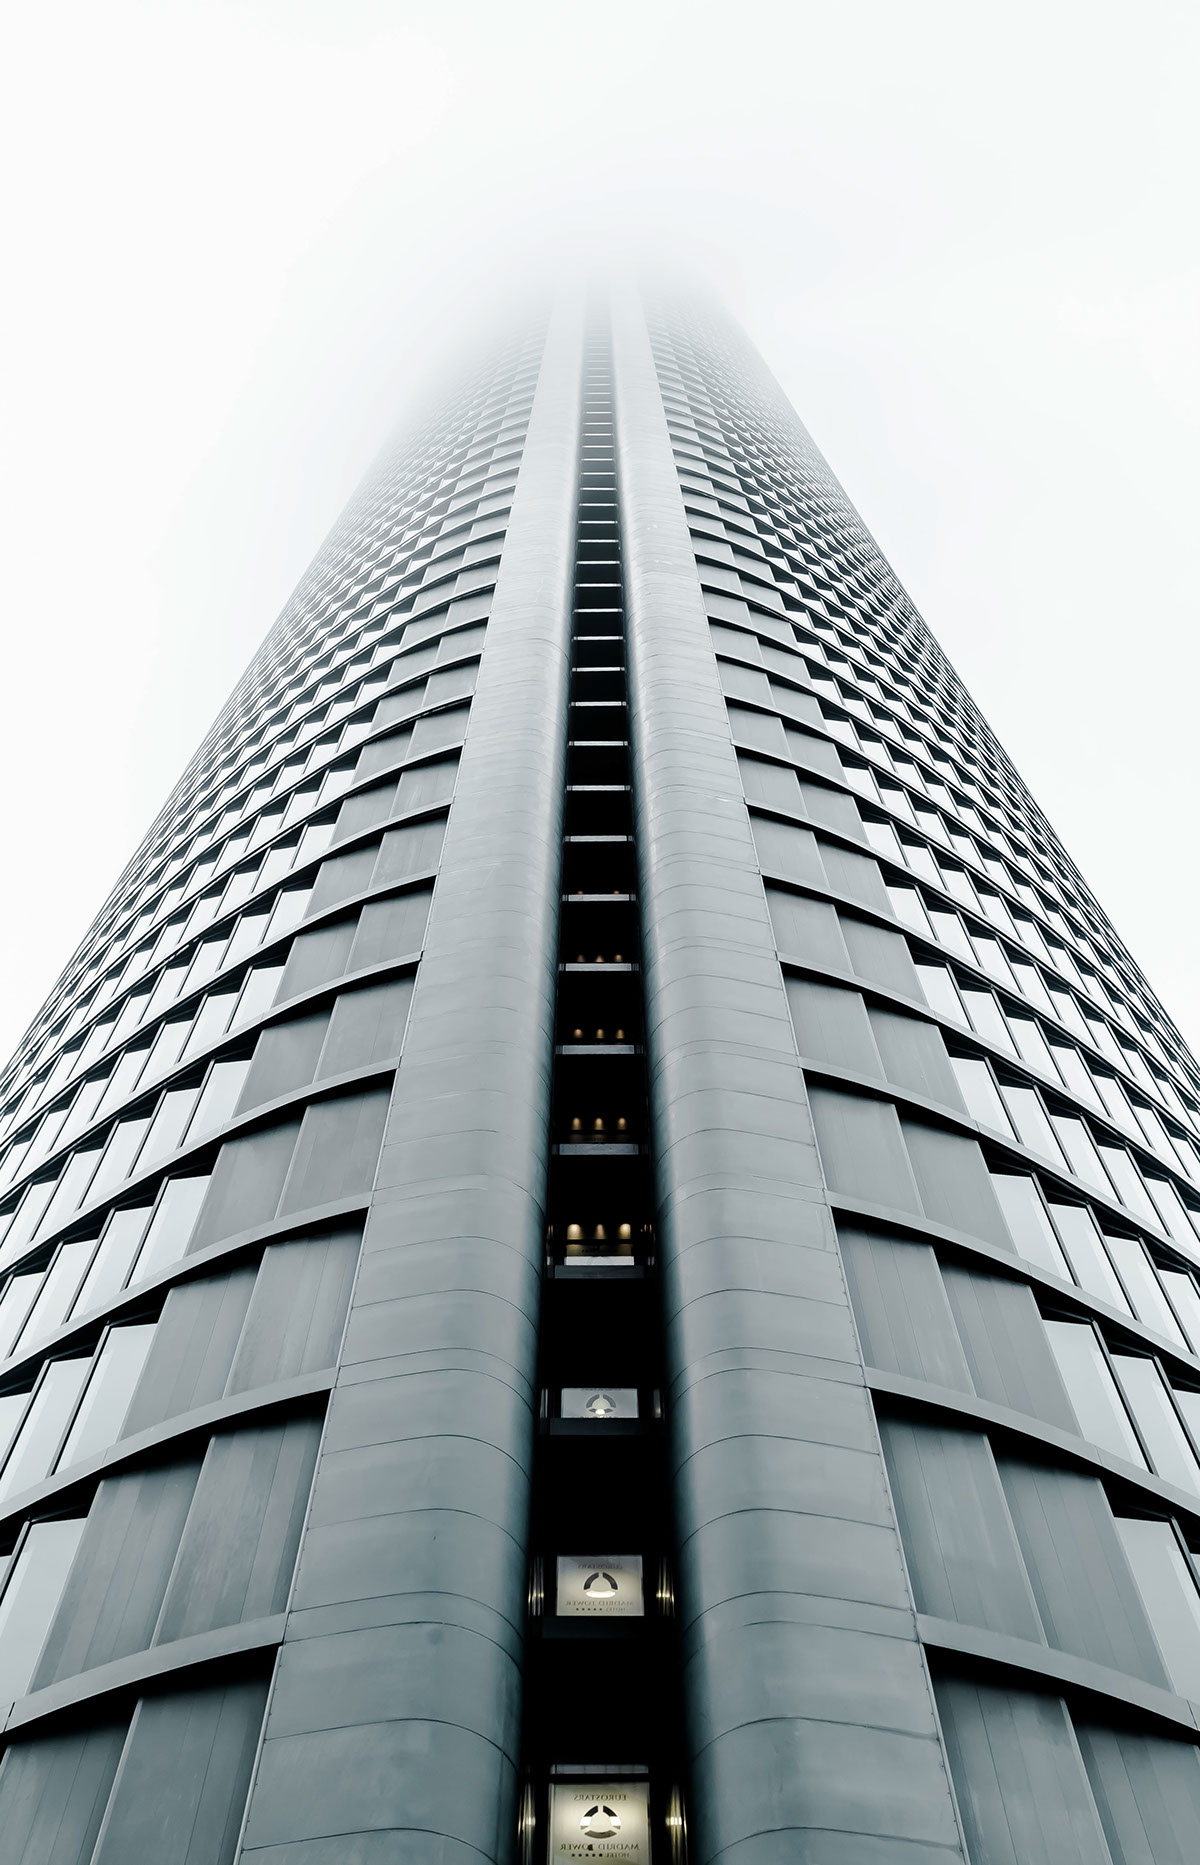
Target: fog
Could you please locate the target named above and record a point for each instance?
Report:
(965, 239)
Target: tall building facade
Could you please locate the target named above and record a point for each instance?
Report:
(600, 1242)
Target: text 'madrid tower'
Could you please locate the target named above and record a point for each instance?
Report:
(599, 1246)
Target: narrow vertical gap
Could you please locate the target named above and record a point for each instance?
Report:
(602, 1734)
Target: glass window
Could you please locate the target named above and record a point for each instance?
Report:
(12, 1410)
(111, 1264)
(1172, 1214)
(992, 958)
(277, 863)
(258, 992)
(1074, 1071)
(315, 840)
(168, 1047)
(882, 837)
(30, 1601)
(219, 1098)
(958, 882)
(1076, 1143)
(978, 1090)
(102, 1409)
(15, 1303)
(1088, 1258)
(71, 1189)
(123, 1147)
(1185, 1300)
(1130, 1189)
(906, 905)
(948, 931)
(41, 1433)
(168, 986)
(1150, 1402)
(211, 1023)
(59, 1287)
(206, 961)
(1031, 1044)
(940, 991)
(1145, 1291)
(290, 907)
(1030, 1120)
(170, 1121)
(1169, 1595)
(986, 1016)
(1092, 1390)
(44, 1139)
(1117, 1104)
(172, 1224)
(1068, 1013)
(241, 884)
(247, 936)
(1025, 1215)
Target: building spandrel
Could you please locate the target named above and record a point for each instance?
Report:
(599, 1245)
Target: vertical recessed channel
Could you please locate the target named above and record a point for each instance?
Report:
(602, 1761)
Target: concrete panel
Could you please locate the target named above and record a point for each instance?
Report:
(762, 1506)
(409, 1601)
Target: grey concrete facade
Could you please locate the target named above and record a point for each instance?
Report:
(803, 1670)
(600, 700)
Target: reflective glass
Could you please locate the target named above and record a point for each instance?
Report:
(1185, 1300)
(1145, 1291)
(123, 1147)
(1158, 1421)
(979, 1092)
(1088, 1257)
(110, 1266)
(1092, 1390)
(169, 1125)
(1169, 1595)
(30, 1600)
(38, 1439)
(172, 1224)
(102, 1409)
(1031, 1122)
(15, 1303)
(940, 991)
(219, 1098)
(59, 1286)
(1025, 1215)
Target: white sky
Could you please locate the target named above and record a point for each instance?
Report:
(965, 238)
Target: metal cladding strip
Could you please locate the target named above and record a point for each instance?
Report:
(811, 1721)
(396, 1704)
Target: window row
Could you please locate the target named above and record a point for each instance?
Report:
(77, 970)
(298, 1166)
(1048, 849)
(262, 924)
(779, 853)
(293, 809)
(1012, 1028)
(947, 873)
(1013, 1107)
(360, 1029)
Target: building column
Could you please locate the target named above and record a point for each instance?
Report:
(394, 1721)
(812, 1727)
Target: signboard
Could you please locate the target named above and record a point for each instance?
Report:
(605, 1820)
(599, 1402)
(599, 1586)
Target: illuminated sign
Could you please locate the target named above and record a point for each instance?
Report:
(599, 1586)
(606, 1820)
(599, 1402)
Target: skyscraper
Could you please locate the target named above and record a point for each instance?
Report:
(600, 1241)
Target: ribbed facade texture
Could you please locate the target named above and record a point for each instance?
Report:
(599, 1246)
